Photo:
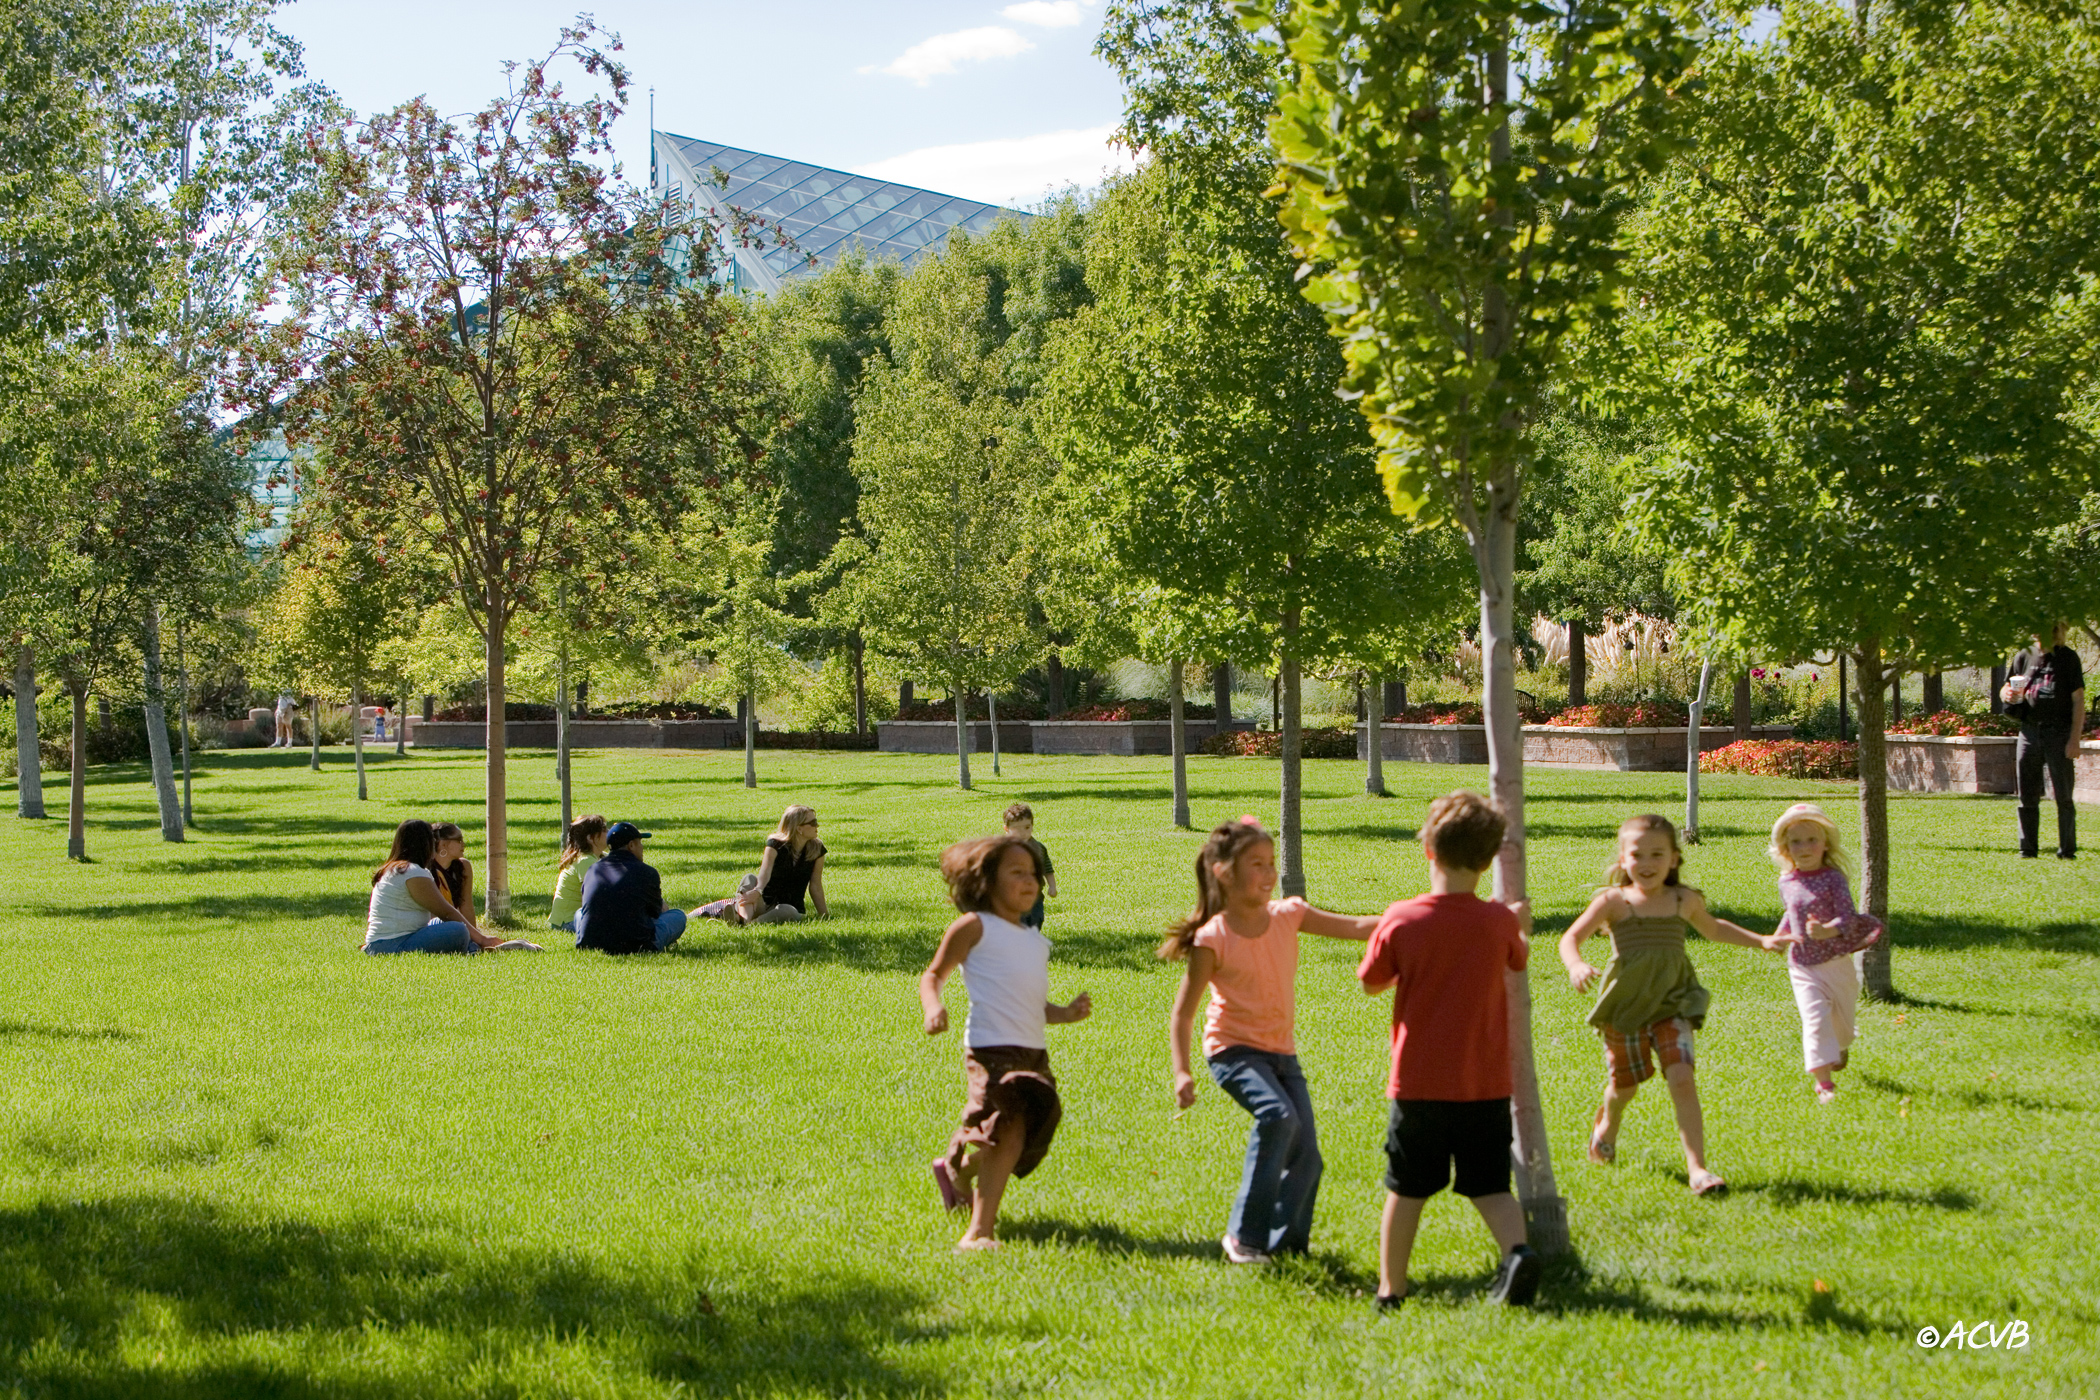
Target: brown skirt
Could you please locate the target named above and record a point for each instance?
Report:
(1006, 1082)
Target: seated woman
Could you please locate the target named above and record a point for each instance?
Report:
(581, 845)
(408, 913)
(791, 871)
(455, 877)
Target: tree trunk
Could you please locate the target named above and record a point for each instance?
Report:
(1742, 706)
(1896, 697)
(991, 709)
(860, 686)
(1292, 818)
(1276, 702)
(313, 723)
(1054, 685)
(1997, 690)
(76, 819)
(1221, 695)
(155, 712)
(1177, 712)
(1395, 699)
(1691, 753)
(903, 695)
(401, 729)
(1374, 745)
(750, 708)
(960, 699)
(1879, 982)
(583, 698)
(357, 738)
(1844, 699)
(1578, 664)
(182, 714)
(1933, 696)
(495, 900)
(561, 739)
(29, 769)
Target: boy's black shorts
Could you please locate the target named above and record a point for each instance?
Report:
(1427, 1136)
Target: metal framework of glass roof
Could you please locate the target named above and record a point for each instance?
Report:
(825, 212)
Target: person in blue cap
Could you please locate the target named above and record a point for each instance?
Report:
(623, 900)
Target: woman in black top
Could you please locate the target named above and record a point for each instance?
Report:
(791, 872)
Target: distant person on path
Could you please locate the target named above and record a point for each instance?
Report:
(1012, 1109)
(1241, 948)
(2045, 691)
(581, 845)
(1823, 963)
(1446, 956)
(1020, 821)
(791, 872)
(409, 913)
(623, 900)
(1650, 1001)
(287, 707)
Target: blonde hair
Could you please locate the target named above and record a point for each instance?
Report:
(793, 820)
(1833, 845)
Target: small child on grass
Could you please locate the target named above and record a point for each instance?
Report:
(1445, 955)
(1020, 821)
(1822, 964)
(1012, 1109)
(1651, 1000)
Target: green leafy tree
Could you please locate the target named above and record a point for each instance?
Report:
(1865, 313)
(1461, 227)
(746, 625)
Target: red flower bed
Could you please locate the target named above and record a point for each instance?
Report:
(1268, 743)
(1949, 725)
(1832, 759)
(1127, 711)
(1648, 714)
(1454, 712)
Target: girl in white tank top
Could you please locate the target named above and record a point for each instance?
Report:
(1013, 1108)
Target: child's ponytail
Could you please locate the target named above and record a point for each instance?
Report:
(1225, 846)
(576, 840)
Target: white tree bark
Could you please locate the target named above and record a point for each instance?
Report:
(357, 738)
(750, 741)
(1374, 739)
(991, 708)
(182, 724)
(1292, 795)
(495, 899)
(29, 773)
(561, 738)
(962, 734)
(1691, 753)
(165, 797)
(313, 724)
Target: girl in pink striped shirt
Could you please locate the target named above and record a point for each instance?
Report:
(1823, 965)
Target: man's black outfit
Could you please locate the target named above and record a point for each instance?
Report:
(2048, 677)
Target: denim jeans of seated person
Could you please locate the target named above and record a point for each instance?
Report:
(448, 937)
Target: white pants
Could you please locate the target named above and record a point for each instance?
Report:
(1828, 996)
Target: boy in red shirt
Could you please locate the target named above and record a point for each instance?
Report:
(1446, 954)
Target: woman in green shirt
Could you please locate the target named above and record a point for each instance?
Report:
(581, 845)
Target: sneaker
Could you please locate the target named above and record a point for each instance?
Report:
(1517, 1281)
(1390, 1302)
(1826, 1093)
(517, 945)
(1240, 1254)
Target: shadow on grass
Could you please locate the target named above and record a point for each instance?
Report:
(1100, 1237)
(1788, 1192)
(74, 1276)
(844, 942)
(1572, 1290)
(1987, 1097)
(259, 909)
(14, 1030)
(1950, 932)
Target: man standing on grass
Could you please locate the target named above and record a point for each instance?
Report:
(623, 899)
(2045, 691)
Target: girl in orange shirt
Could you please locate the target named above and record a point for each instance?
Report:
(1242, 947)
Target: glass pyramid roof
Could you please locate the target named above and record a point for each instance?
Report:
(825, 212)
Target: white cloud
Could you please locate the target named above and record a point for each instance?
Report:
(1011, 172)
(1044, 14)
(946, 53)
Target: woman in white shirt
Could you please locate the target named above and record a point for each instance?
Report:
(409, 913)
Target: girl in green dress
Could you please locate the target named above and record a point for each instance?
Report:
(1651, 1002)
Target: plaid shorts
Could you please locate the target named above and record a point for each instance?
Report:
(1633, 1056)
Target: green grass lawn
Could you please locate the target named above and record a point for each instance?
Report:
(237, 1158)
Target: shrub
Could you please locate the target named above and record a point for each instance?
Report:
(1645, 714)
(1268, 743)
(1452, 712)
(926, 711)
(1948, 724)
(1126, 711)
(1831, 759)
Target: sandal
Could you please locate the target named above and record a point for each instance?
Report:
(1707, 1184)
(1603, 1151)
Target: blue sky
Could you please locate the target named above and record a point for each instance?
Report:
(998, 100)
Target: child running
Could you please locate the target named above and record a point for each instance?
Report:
(1242, 948)
(1012, 1109)
(581, 845)
(1447, 956)
(1827, 931)
(1020, 821)
(1651, 1001)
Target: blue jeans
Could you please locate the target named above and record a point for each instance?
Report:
(1274, 1209)
(431, 938)
(670, 927)
(566, 926)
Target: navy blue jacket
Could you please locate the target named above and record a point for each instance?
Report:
(621, 898)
